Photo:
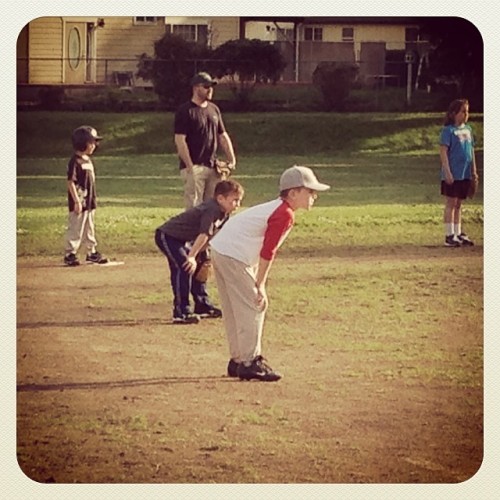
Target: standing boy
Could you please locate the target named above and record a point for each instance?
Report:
(199, 130)
(183, 238)
(242, 254)
(82, 198)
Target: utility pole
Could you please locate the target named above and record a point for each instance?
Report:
(409, 60)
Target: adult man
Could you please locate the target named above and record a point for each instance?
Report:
(199, 130)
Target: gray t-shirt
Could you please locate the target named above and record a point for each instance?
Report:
(204, 218)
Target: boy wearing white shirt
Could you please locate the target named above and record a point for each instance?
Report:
(242, 255)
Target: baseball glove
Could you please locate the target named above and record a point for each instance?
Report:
(203, 271)
(223, 169)
(473, 186)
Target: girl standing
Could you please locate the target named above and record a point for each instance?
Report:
(458, 169)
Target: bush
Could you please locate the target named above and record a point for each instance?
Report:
(172, 67)
(247, 63)
(335, 81)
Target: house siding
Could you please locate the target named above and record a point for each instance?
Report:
(121, 42)
(393, 36)
(224, 29)
(45, 50)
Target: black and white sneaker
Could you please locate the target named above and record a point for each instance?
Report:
(258, 370)
(232, 368)
(207, 311)
(71, 260)
(96, 258)
(186, 319)
(465, 240)
(452, 241)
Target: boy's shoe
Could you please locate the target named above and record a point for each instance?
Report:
(232, 368)
(71, 260)
(259, 370)
(96, 258)
(204, 311)
(186, 319)
(465, 240)
(452, 241)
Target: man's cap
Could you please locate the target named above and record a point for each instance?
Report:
(297, 176)
(87, 132)
(202, 78)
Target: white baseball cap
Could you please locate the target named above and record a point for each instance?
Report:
(297, 176)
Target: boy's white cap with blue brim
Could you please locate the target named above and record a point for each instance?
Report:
(297, 176)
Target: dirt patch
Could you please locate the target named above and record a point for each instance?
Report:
(110, 392)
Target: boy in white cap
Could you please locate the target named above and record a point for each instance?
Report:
(242, 254)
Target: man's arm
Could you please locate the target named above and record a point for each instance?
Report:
(183, 150)
(227, 146)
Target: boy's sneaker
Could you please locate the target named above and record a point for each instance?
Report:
(232, 368)
(204, 311)
(452, 241)
(186, 319)
(96, 258)
(259, 370)
(465, 240)
(71, 260)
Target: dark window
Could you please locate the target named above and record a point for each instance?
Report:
(313, 34)
(191, 32)
(347, 34)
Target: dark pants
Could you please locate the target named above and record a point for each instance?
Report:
(182, 282)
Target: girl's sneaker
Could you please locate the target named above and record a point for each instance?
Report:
(465, 240)
(452, 241)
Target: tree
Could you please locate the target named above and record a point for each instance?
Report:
(456, 56)
(247, 63)
(172, 67)
(335, 79)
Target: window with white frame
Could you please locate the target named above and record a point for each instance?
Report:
(145, 20)
(190, 32)
(313, 34)
(347, 34)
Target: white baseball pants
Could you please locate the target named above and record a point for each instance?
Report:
(81, 231)
(243, 319)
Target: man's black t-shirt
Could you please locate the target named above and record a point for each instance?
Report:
(201, 126)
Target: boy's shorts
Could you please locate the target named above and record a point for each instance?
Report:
(458, 189)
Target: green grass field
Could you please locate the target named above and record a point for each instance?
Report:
(376, 326)
(384, 171)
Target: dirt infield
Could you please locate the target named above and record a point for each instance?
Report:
(110, 392)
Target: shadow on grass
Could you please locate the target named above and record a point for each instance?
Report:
(120, 383)
(99, 323)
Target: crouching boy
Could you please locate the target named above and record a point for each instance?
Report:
(183, 240)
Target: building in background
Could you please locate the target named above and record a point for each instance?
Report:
(97, 51)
